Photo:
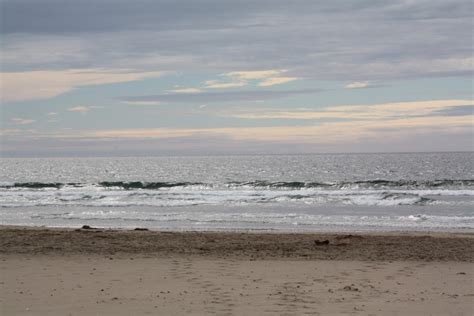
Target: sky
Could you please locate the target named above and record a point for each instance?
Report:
(170, 77)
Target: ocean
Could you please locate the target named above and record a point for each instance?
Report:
(291, 193)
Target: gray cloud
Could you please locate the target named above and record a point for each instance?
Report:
(343, 40)
(206, 145)
(227, 96)
(69, 16)
(461, 110)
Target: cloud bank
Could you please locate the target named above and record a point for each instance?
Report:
(28, 85)
(337, 40)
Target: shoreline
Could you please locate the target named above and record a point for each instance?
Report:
(391, 230)
(436, 233)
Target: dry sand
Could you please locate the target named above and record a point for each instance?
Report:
(104, 272)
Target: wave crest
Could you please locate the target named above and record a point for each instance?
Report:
(291, 185)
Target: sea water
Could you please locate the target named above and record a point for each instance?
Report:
(326, 192)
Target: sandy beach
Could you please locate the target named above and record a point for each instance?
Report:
(119, 272)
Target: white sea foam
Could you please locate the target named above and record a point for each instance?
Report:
(245, 219)
(95, 195)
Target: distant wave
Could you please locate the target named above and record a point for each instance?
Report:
(292, 185)
(146, 185)
(378, 183)
(34, 185)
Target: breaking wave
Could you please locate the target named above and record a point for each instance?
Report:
(170, 194)
(368, 184)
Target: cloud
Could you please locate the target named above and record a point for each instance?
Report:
(254, 75)
(358, 85)
(21, 121)
(53, 117)
(370, 112)
(457, 110)
(265, 78)
(22, 86)
(18, 132)
(47, 50)
(79, 109)
(142, 102)
(83, 109)
(214, 84)
(433, 131)
(276, 80)
(208, 97)
(337, 39)
(325, 133)
(360, 123)
(208, 145)
(186, 90)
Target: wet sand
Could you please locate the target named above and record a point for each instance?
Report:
(106, 272)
